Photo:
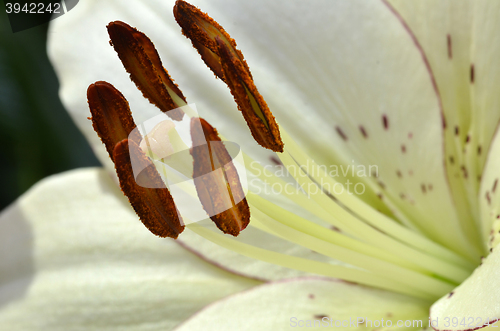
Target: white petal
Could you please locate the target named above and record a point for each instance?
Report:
(457, 35)
(459, 39)
(474, 302)
(290, 304)
(74, 256)
(489, 197)
(485, 96)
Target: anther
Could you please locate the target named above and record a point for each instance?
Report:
(219, 52)
(141, 60)
(112, 120)
(202, 30)
(216, 180)
(111, 116)
(154, 206)
(255, 111)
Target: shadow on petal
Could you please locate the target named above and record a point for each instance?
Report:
(16, 255)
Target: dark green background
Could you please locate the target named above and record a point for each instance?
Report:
(37, 137)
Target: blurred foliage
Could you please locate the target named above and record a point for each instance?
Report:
(37, 136)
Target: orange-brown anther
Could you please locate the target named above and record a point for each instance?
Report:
(259, 118)
(216, 180)
(201, 29)
(142, 62)
(155, 206)
(111, 116)
(219, 52)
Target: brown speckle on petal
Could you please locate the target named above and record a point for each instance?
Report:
(363, 131)
(320, 316)
(464, 171)
(448, 43)
(385, 122)
(341, 133)
(276, 161)
(424, 189)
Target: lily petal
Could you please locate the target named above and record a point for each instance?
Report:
(489, 198)
(475, 302)
(74, 256)
(289, 304)
(457, 38)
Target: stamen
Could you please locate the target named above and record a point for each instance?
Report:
(202, 30)
(141, 60)
(215, 176)
(219, 52)
(112, 120)
(320, 268)
(425, 283)
(155, 206)
(377, 220)
(255, 111)
(111, 116)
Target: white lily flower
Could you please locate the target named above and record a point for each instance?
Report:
(408, 87)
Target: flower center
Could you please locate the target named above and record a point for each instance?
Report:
(375, 249)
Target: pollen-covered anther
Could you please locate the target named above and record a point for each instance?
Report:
(111, 116)
(202, 30)
(259, 118)
(219, 52)
(141, 60)
(151, 199)
(216, 179)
